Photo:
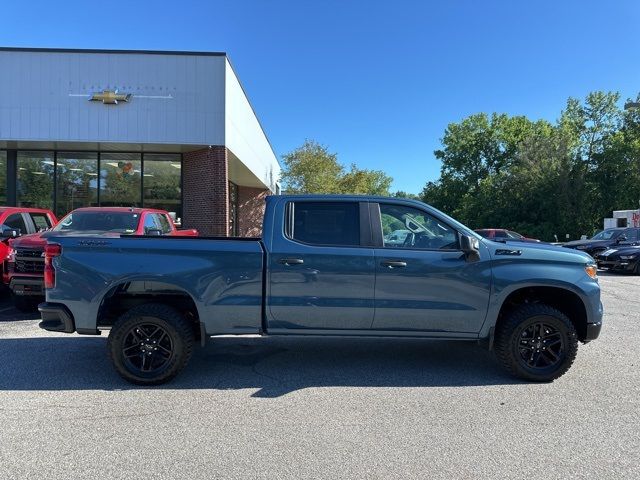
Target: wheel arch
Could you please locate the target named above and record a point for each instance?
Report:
(565, 300)
(128, 294)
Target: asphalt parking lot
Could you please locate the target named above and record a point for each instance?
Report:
(321, 408)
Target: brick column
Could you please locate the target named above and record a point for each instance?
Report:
(205, 187)
(250, 210)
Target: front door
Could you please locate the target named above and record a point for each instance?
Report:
(321, 273)
(424, 283)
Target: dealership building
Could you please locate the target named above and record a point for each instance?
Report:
(169, 130)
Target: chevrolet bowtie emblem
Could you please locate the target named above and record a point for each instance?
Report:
(110, 97)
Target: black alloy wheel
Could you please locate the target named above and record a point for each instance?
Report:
(147, 348)
(541, 346)
(151, 343)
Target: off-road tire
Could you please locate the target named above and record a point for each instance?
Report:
(175, 325)
(510, 336)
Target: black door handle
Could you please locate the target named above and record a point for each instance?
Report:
(393, 263)
(291, 261)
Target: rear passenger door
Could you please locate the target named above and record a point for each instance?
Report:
(321, 270)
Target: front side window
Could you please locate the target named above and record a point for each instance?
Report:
(16, 222)
(326, 223)
(408, 227)
(631, 234)
(150, 223)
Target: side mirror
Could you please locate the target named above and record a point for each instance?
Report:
(153, 232)
(8, 232)
(471, 247)
(621, 238)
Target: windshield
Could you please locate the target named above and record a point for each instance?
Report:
(606, 234)
(120, 222)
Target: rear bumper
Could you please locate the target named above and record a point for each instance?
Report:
(56, 318)
(27, 286)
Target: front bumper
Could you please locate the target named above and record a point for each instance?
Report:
(27, 286)
(618, 265)
(593, 331)
(56, 318)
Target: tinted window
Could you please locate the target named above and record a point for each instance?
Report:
(422, 230)
(41, 221)
(607, 234)
(631, 234)
(17, 222)
(150, 222)
(326, 223)
(119, 222)
(500, 234)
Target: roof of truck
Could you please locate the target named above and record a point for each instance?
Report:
(119, 209)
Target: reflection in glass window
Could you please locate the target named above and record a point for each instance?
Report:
(407, 227)
(3, 178)
(77, 181)
(162, 183)
(120, 179)
(34, 186)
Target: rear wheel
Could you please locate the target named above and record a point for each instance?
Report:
(150, 344)
(536, 342)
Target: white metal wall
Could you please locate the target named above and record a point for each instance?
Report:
(176, 99)
(244, 135)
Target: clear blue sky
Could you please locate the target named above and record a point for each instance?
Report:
(375, 81)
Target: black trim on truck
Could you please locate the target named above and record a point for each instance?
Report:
(593, 331)
(56, 318)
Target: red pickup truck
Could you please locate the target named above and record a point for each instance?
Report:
(16, 221)
(24, 268)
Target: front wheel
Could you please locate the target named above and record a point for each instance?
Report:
(536, 342)
(150, 344)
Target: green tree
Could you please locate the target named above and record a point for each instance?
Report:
(311, 168)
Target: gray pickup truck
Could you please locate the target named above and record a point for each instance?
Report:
(324, 266)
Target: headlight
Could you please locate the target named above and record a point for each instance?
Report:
(591, 270)
(11, 255)
(580, 247)
(628, 257)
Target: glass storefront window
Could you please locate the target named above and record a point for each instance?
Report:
(76, 181)
(120, 179)
(34, 186)
(3, 178)
(162, 183)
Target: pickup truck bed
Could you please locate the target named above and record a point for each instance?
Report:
(325, 267)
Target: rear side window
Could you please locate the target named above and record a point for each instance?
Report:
(164, 223)
(17, 222)
(325, 223)
(41, 221)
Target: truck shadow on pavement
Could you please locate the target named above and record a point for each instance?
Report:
(273, 366)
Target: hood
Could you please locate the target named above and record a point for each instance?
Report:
(538, 251)
(588, 242)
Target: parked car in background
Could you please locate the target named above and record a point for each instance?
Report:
(504, 234)
(16, 221)
(605, 239)
(25, 263)
(397, 237)
(624, 258)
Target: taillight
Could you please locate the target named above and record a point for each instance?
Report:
(51, 250)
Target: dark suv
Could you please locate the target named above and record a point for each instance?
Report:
(606, 239)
